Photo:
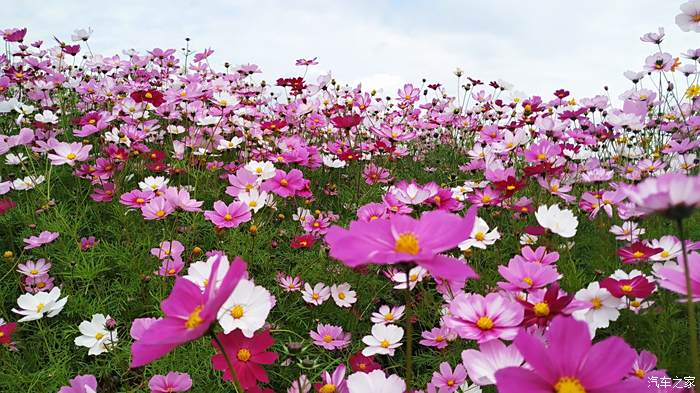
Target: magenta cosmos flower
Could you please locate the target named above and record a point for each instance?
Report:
(672, 194)
(474, 317)
(172, 382)
(81, 384)
(521, 275)
(247, 356)
(404, 239)
(44, 237)
(285, 184)
(569, 363)
(228, 216)
(188, 314)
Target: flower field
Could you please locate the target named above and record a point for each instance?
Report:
(170, 225)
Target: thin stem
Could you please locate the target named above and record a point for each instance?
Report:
(234, 377)
(692, 324)
(409, 330)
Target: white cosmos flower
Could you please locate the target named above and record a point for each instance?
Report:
(387, 314)
(300, 214)
(95, 335)
(246, 308)
(27, 183)
(342, 295)
(200, 271)
(332, 162)
(562, 222)
(15, 159)
(527, 239)
(229, 144)
(35, 306)
(254, 199)
(264, 170)
(480, 236)
(81, 34)
(153, 183)
(601, 307)
(375, 382)
(383, 340)
(415, 275)
(46, 117)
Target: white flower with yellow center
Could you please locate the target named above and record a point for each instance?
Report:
(95, 335)
(264, 170)
(254, 199)
(152, 183)
(200, 271)
(480, 236)
(383, 340)
(342, 295)
(600, 307)
(35, 306)
(246, 309)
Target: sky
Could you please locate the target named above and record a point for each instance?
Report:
(538, 46)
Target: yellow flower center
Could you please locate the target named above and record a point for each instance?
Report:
(148, 95)
(480, 236)
(99, 336)
(638, 254)
(450, 382)
(413, 277)
(228, 217)
(665, 253)
(243, 355)
(640, 373)
(327, 338)
(2, 334)
(327, 388)
(41, 284)
(384, 344)
(341, 295)
(528, 281)
(194, 319)
(252, 203)
(541, 309)
(237, 311)
(140, 200)
(284, 182)
(407, 243)
(315, 296)
(70, 156)
(568, 385)
(39, 307)
(484, 323)
(160, 213)
(485, 199)
(696, 18)
(388, 316)
(635, 303)
(596, 303)
(541, 156)
(626, 288)
(439, 339)
(258, 170)
(34, 271)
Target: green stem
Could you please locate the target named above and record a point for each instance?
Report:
(234, 377)
(692, 324)
(409, 330)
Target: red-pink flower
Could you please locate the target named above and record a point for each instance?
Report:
(636, 287)
(404, 239)
(246, 355)
(637, 252)
(188, 314)
(228, 216)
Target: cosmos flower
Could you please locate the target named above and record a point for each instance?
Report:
(387, 314)
(673, 194)
(246, 308)
(330, 337)
(170, 383)
(562, 222)
(383, 340)
(342, 295)
(81, 384)
(228, 216)
(689, 18)
(673, 278)
(333, 383)
(375, 382)
(247, 355)
(36, 306)
(480, 237)
(44, 237)
(69, 153)
(316, 295)
(95, 335)
(570, 363)
(598, 307)
(475, 317)
(404, 239)
(492, 356)
(447, 379)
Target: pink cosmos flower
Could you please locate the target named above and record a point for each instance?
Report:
(526, 275)
(44, 237)
(228, 216)
(542, 151)
(69, 153)
(333, 383)
(673, 194)
(539, 255)
(316, 295)
(87, 243)
(474, 317)
(247, 355)
(673, 278)
(330, 337)
(181, 199)
(136, 199)
(436, 337)
(448, 380)
(643, 364)
(188, 314)
(374, 174)
(285, 184)
(492, 356)
(569, 363)
(157, 208)
(34, 269)
(404, 239)
(658, 62)
(243, 181)
(170, 267)
(81, 384)
(168, 249)
(289, 283)
(172, 382)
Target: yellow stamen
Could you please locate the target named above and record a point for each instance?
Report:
(237, 311)
(484, 323)
(194, 319)
(384, 344)
(569, 385)
(327, 388)
(407, 243)
(327, 338)
(541, 309)
(596, 303)
(243, 355)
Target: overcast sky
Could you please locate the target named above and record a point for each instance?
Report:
(539, 46)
